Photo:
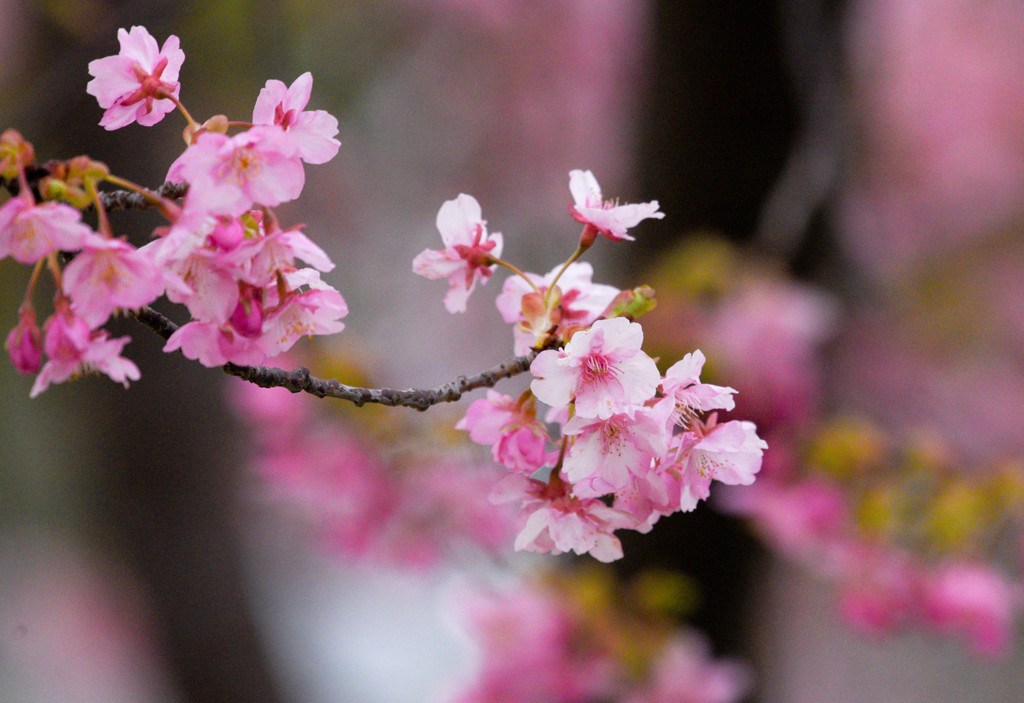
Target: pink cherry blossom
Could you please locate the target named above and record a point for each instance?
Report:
(607, 217)
(315, 311)
(228, 175)
(25, 342)
(29, 232)
(682, 384)
(601, 369)
(109, 274)
(468, 254)
(606, 454)
(730, 453)
(312, 131)
(552, 521)
(516, 437)
(74, 349)
(213, 344)
(135, 85)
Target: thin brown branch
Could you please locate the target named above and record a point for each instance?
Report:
(301, 380)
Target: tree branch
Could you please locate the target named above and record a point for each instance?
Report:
(127, 200)
(300, 379)
(112, 199)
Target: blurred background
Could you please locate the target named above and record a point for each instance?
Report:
(843, 185)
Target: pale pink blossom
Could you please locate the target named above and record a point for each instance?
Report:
(314, 311)
(29, 232)
(516, 437)
(213, 344)
(24, 344)
(135, 85)
(228, 175)
(691, 397)
(109, 274)
(602, 370)
(552, 521)
(468, 254)
(276, 251)
(312, 131)
(730, 453)
(606, 454)
(607, 217)
(73, 349)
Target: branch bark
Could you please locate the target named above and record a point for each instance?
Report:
(301, 380)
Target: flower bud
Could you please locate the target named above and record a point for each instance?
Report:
(25, 342)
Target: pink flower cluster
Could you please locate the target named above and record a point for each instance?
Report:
(884, 588)
(633, 445)
(412, 510)
(224, 255)
(534, 644)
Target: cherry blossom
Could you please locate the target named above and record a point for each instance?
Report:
(517, 439)
(682, 384)
(730, 453)
(606, 217)
(29, 232)
(73, 349)
(601, 369)
(605, 454)
(137, 84)
(684, 672)
(975, 601)
(469, 251)
(228, 175)
(312, 131)
(551, 521)
(109, 274)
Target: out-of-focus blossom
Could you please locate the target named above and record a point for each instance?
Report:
(939, 91)
(135, 85)
(975, 601)
(29, 231)
(684, 672)
(24, 344)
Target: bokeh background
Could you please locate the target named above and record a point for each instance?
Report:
(844, 189)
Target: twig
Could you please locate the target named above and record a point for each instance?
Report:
(127, 200)
(300, 379)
